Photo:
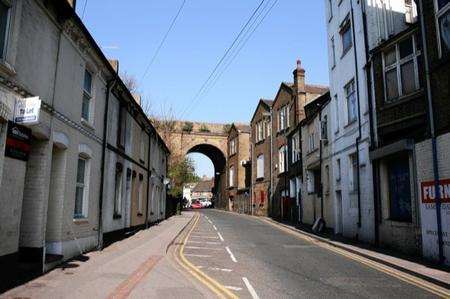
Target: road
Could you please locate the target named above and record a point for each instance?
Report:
(254, 259)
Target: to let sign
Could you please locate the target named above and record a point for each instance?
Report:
(428, 215)
(27, 111)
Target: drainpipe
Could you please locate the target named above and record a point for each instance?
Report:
(320, 164)
(373, 142)
(433, 136)
(271, 158)
(109, 86)
(358, 139)
(149, 173)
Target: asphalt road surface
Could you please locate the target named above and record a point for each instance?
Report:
(254, 259)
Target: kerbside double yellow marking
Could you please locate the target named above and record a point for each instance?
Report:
(212, 284)
(423, 284)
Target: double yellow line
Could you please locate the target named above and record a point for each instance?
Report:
(421, 283)
(212, 284)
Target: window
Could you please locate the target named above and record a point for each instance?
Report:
(232, 146)
(401, 69)
(296, 147)
(399, 189)
(268, 128)
(260, 167)
(142, 150)
(443, 21)
(81, 188)
(283, 118)
(324, 128)
(282, 154)
(311, 142)
(330, 10)
(140, 195)
(346, 36)
(333, 53)
(122, 123)
(338, 170)
(4, 24)
(231, 177)
(87, 96)
(260, 131)
(327, 178)
(350, 95)
(354, 172)
(336, 108)
(118, 190)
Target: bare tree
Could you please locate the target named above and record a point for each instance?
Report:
(130, 82)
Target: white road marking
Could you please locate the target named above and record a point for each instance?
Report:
(233, 288)
(200, 267)
(206, 248)
(220, 236)
(215, 228)
(250, 288)
(219, 269)
(231, 254)
(210, 221)
(197, 255)
(203, 237)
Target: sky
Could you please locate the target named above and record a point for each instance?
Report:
(131, 33)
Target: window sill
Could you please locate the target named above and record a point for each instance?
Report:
(401, 100)
(260, 179)
(80, 220)
(6, 68)
(350, 124)
(117, 216)
(87, 124)
(260, 142)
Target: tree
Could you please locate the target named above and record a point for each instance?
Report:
(180, 173)
(130, 82)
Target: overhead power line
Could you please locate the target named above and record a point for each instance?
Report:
(155, 55)
(225, 54)
(234, 50)
(84, 9)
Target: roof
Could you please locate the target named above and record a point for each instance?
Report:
(311, 88)
(244, 128)
(204, 186)
(265, 102)
(312, 108)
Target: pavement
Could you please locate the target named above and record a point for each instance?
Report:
(253, 258)
(136, 267)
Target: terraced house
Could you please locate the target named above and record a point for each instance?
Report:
(68, 147)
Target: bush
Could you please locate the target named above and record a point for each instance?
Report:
(204, 128)
(188, 126)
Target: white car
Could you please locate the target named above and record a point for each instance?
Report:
(206, 203)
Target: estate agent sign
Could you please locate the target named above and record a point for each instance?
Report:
(18, 142)
(27, 111)
(429, 220)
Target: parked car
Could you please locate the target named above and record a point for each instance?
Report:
(196, 205)
(206, 203)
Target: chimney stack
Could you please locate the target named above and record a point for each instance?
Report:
(300, 90)
(115, 64)
(73, 3)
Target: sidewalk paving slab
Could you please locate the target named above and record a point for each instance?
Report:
(100, 274)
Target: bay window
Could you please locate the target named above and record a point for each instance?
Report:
(401, 68)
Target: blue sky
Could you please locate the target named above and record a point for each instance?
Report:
(204, 30)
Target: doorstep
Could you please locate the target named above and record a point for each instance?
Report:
(433, 273)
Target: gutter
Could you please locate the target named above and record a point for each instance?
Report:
(358, 139)
(373, 143)
(433, 136)
(109, 85)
